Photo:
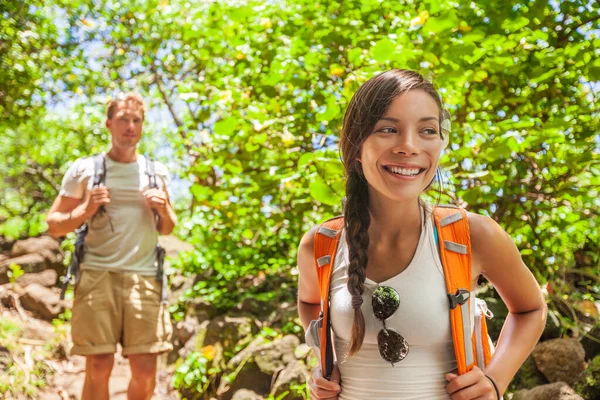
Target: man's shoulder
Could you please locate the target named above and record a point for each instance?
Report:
(82, 166)
(159, 167)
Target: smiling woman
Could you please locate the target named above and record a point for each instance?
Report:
(394, 131)
(404, 145)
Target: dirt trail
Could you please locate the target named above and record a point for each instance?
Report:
(67, 380)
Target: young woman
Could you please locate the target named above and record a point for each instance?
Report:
(394, 132)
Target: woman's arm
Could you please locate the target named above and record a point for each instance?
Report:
(309, 299)
(499, 260)
(309, 307)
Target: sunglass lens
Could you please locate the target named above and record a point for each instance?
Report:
(386, 301)
(392, 345)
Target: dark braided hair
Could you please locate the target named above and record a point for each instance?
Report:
(368, 105)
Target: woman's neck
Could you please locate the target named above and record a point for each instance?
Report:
(122, 155)
(392, 220)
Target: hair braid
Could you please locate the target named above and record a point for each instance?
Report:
(357, 220)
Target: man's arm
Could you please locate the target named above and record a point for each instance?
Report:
(158, 200)
(167, 220)
(68, 213)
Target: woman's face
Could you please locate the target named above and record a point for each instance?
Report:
(400, 157)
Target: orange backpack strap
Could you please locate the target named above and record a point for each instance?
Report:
(326, 242)
(454, 240)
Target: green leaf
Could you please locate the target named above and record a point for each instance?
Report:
(331, 110)
(355, 55)
(434, 6)
(305, 159)
(383, 50)
(225, 126)
(260, 138)
(251, 147)
(322, 192)
(515, 24)
(446, 21)
(200, 192)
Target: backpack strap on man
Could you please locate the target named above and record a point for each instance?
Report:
(72, 273)
(150, 171)
(99, 173)
(454, 241)
(160, 251)
(326, 242)
(99, 169)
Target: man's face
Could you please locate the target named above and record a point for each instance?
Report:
(125, 125)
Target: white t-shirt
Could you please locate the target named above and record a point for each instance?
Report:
(131, 247)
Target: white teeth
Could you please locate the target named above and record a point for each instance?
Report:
(404, 171)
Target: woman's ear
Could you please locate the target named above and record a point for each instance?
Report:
(358, 156)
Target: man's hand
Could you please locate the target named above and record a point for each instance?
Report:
(95, 199)
(157, 200)
(321, 388)
(472, 385)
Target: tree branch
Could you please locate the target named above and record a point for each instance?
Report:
(36, 170)
(161, 89)
(565, 34)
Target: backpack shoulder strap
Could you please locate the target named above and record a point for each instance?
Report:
(99, 169)
(454, 241)
(150, 171)
(326, 242)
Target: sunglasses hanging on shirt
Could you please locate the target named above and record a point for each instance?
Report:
(392, 345)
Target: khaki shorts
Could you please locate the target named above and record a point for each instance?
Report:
(114, 307)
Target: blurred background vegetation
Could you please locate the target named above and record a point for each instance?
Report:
(245, 101)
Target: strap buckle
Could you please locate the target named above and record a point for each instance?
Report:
(460, 298)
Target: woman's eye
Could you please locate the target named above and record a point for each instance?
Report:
(430, 131)
(387, 130)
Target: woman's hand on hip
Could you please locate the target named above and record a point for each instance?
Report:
(321, 388)
(472, 385)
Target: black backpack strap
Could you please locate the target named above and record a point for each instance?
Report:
(99, 169)
(100, 178)
(160, 252)
(151, 172)
(72, 273)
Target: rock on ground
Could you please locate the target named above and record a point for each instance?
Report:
(560, 360)
(552, 391)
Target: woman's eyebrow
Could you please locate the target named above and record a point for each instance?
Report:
(392, 119)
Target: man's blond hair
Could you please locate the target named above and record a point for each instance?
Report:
(133, 97)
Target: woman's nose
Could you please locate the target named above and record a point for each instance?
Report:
(407, 143)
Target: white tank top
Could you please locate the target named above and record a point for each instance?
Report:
(422, 318)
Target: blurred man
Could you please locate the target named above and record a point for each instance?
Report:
(121, 199)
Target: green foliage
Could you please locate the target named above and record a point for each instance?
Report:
(32, 179)
(14, 272)
(276, 78)
(23, 370)
(28, 49)
(255, 92)
(588, 385)
(300, 390)
(194, 373)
